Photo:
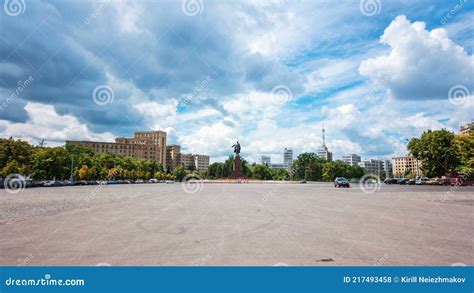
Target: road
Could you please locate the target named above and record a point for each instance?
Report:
(237, 224)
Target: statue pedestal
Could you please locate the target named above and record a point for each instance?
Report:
(237, 171)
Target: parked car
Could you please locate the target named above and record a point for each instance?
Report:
(462, 180)
(169, 181)
(433, 181)
(52, 183)
(421, 180)
(153, 180)
(139, 181)
(341, 181)
(303, 182)
(391, 181)
(68, 183)
(411, 181)
(403, 181)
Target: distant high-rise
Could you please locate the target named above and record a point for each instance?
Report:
(288, 158)
(266, 160)
(323, 151)
(373, 166)
(351, 159)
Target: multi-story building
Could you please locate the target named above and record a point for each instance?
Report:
(373, 166)
(277, 166)
(352, 159)
(467, 128)
(173, 156)
(406, 165)
(266, 160)
(195, 161)
(323, 151)
(288, 158)
(147, 145)
(387, 167)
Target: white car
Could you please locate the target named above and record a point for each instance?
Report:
(421, 180)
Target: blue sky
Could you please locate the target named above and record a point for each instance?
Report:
(268, 73)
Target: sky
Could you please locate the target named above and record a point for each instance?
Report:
(269, 74)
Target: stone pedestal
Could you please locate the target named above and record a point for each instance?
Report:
(237, 171)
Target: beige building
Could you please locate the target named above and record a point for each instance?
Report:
(406, 165)
(467, 128)
(147, 145)
(195, 161)
(173, 156)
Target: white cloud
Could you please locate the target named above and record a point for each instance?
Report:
(45, 122)
(422, 64)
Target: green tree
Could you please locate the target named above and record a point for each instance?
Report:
(261, 172)
(179, 173)
(465, 148)
(438, 152)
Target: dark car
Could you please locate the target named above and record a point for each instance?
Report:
(411, 181)
(390, 181)
(341, 181)
(403, 181)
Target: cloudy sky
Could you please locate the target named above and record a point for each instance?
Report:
(268, 73)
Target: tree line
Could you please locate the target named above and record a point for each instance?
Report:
(45, 163)
(442, 152)
(307, 166)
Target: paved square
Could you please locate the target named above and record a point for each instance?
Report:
(237, 224)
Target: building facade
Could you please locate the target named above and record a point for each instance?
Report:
(387, 167)
(195, 161)
(266, 160)
(406, 165)
(351, 159)
(146, 145)
(373, 166)
(277, 166)
(288, 158)
(173, 156)
(467, 128)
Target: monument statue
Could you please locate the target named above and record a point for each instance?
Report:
(237, 172)
(236, 147)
